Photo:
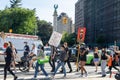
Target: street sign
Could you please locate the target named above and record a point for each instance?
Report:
(55, 39)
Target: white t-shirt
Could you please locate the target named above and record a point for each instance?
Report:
(35, 51)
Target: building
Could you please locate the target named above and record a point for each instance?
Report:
(101, 19)
(62, 23)
(79, 14)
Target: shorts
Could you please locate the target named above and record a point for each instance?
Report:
(96, 59)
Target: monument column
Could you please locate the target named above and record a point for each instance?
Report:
(55, 18)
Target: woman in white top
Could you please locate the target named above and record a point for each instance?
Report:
(32, 54)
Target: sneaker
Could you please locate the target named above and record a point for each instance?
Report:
(48, 76)
(70, 71)
(61, 71)
(81, 75)
(103, 75)
(52, 76)
(86, 74)
(34, 79)
(64, 76)
(15, 78)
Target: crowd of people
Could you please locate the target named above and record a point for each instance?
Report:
(101, 56)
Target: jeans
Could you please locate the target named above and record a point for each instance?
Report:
(103, 66)
(58, 66)
(68, 63)
(42, 68)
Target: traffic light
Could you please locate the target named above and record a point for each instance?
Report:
(10, 30)
(64, 20)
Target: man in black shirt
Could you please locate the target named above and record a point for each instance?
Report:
(26, 49)
(68, 59)
(8, 59)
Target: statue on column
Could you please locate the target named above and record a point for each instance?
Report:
(55, 7)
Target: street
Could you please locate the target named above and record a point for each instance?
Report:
(92, 75)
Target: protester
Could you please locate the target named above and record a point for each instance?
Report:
(117, 52)
(26, 50)
(112, 64)
(104, 57)
(52, 58)
(8, 59)
(83, 58)
(68, 57)
(31, 55)
(40, 56)
(14, 54)
(61, 61)
(96, 58)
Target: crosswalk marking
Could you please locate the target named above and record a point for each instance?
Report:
(70, 76)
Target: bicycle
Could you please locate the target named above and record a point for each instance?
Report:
(24, 64)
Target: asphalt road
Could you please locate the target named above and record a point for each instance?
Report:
(92, 75)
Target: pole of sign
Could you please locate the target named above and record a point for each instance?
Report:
(79, 52)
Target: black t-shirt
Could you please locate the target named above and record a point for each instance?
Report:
(26, 48)
(8, 52)
(83, 57)
(103, 56)
(96, 55)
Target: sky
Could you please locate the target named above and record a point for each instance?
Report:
(45, 8)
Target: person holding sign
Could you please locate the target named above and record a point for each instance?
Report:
(61, 61)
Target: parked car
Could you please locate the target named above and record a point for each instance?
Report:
(73, 57)
(90, 57)
(72, 52)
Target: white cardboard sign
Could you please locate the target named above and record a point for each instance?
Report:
(55, 39)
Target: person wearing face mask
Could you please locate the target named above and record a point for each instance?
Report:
(68, 57)
(104, 58)
(61, 62)
(26, 49)
(8, 59)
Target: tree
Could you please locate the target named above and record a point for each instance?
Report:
(44, 30)
(20, 20)
(69, 38)
(15, 3)
(72, 39)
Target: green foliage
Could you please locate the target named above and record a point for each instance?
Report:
(15, 3)
(21, 20)
(44, 30)
(69, 38)
(65, 37)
